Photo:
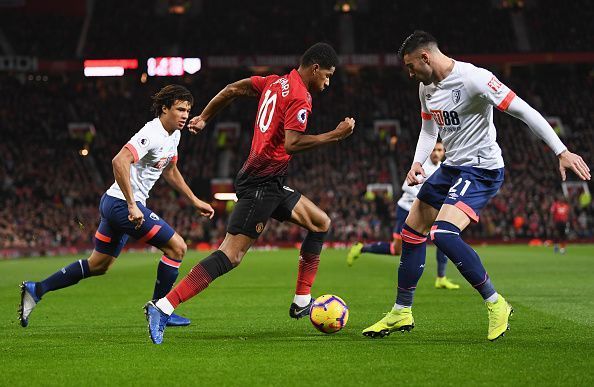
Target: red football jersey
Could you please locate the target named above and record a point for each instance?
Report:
(284, 104)
(560, 211)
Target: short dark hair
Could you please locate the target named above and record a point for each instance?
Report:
(415, 40)
(322, 54)
(167, 97)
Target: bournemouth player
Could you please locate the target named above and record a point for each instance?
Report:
(457, 101)
(402, 208)
(279, 132)
(150, 153)
(560, 211)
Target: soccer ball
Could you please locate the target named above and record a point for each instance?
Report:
(329, 313)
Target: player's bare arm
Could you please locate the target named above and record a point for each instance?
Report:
(241, 88)
(121, 171)
(539, 125)
(296, 142)
(175, 179)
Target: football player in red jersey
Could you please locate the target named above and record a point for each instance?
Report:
(279, 132)
(560, 211)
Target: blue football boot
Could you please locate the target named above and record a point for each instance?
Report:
(29, 301)
(157, 321)
(175, 320)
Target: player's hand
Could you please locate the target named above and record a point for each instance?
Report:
(196, 124)
(135, 216)
(416, 169)
(204, 209)
(345, 128)
(575, 163)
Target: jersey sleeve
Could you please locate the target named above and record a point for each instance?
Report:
(425, 114)
(142, 143)
(296, 114)
(177, 139)
(488, 87)
(259, 83)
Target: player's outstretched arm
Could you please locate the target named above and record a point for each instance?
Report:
(175, 179)
(241, 88)
(121, 171)
(539, 125)
(296, 141)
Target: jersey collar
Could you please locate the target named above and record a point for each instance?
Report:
(162, 128)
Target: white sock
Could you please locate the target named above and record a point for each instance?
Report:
(302, 299)
(398, 306)
(165, 306)
(492, 298)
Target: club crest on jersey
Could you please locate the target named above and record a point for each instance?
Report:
(456, 94)
(302, 116)
(259, 227)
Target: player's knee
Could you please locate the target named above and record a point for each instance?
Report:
(322, 224)
(99, 267)
(234, 253)
(176, 250)
(443, 234)
(235, 257)
(180, 250)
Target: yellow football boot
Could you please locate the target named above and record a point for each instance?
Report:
(499, 313)
(445, 283)
(354, 253)
(395, 320)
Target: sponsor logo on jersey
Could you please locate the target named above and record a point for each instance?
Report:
(163, 162)
(288, 188)
(259, 227)
(143, 142)
(456, 94)
(446, 120)
(302, 116)
(153, 216)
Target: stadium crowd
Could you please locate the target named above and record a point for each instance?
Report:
(199, 30)
(50, 193)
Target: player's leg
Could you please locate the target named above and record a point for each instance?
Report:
(562, 237)
(412, 263)
(455, 215)
(317, 223)
(246, 222)
(220, 262)
(108, 244)
(385, 248)
(158, 233)
(441, 281)
(556, 237)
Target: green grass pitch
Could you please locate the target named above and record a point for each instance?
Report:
(95, 334)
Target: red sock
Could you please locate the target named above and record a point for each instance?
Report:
(196, 281)
(308, 267)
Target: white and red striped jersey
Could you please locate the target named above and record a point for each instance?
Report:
(461, 105)
(153, 149)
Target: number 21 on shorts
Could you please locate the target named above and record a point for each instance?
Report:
(464, 189)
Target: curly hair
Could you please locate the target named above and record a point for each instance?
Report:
(167, 97)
